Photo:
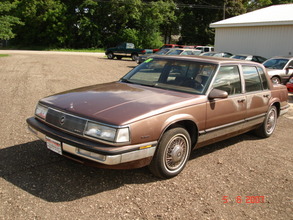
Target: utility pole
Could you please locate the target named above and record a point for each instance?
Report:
(224, 10)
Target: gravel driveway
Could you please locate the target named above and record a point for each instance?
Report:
(39, 184)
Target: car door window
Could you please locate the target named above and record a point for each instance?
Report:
(263, 77)
(252, 79)
(228, 79)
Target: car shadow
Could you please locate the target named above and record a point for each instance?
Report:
(53, 178)
(222, 144)
(134, 64)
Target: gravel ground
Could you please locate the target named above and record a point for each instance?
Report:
(39, 184)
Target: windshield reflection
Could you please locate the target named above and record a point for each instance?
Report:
(275, 63)
(179, 75)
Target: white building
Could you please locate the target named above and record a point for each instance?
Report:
(265, 32)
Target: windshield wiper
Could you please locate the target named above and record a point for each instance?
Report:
(137, 83)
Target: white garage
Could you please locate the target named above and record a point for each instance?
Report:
(265, 32)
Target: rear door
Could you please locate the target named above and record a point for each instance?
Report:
(257, 94)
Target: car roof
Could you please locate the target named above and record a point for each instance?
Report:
(207, 59)
(244, 55)
(281, 57)
(187, 49)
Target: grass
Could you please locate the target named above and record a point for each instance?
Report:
(3, 55)
(100, 50)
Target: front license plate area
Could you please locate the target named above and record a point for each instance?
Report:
(54, 145)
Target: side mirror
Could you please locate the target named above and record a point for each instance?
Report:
(218, 94)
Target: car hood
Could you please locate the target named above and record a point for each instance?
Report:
(120, 103)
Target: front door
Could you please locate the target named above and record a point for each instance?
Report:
(226, 116)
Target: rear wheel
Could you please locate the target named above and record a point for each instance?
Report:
(276, 80)
(268, 126)
(172, 153)
(134, 56)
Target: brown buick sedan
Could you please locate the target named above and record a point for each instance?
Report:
(160, 111)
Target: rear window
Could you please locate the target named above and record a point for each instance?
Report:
(252, 79)
(263, 78)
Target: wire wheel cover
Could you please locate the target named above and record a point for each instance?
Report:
(271, 121)
(176, 152)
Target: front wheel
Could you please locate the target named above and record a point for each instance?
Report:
(110, 55)
(172, 153)
(268, 126)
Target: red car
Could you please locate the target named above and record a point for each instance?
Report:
(290, 85)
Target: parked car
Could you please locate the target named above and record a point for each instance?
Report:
(175, 46)
(289, 85)
(166, 46)
(279, 69)
(170, 51)
(183, 51)
(159, 111)
(217, 54)
(143, 58)
(205, 48)
(170, 46)
(254, 58)
(126, 50)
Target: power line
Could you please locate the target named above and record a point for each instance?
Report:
(179, 5)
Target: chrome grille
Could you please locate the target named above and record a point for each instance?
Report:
(66, 121)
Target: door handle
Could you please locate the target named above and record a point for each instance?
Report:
(266, 96)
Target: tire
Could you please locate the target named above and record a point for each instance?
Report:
(134, 56)
(172, 153)
(268, 126)
(110, 55)
(276, 80)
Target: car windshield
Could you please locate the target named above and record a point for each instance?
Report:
(171, 74)
(275, 63)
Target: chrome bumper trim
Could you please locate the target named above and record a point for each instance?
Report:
(104, 159)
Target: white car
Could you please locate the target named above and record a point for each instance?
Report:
(205, 48)
(280, 69)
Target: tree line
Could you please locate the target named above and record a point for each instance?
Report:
(104, 23)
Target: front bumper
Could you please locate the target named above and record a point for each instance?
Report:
(90, 150)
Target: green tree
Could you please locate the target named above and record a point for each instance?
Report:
(140, 22)
(86, 24)
(254, 5)
(43, 22)
(195, 18)
(7, 21)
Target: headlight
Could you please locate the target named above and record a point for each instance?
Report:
(41, 111)
(107, 133)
